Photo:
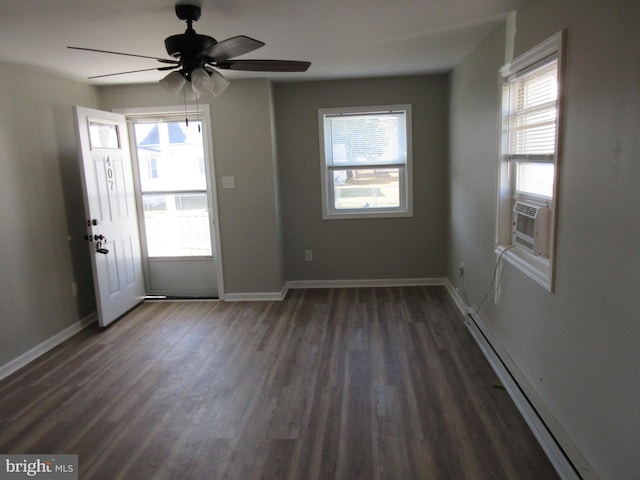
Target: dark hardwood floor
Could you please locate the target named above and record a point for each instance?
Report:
(361, 383)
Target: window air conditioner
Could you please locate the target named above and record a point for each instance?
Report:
(531, 228)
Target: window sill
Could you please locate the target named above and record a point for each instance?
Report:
(353, 215)
(536, 268)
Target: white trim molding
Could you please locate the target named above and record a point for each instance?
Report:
(256, 296)
(403, 162)
(457, 299)
(39, 350)
(515, 77)
(362, 283)
(350, 283)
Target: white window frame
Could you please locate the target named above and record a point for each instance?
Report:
(540, 269)
(405, 209)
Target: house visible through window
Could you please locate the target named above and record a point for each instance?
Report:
(366, 161)
(529, 160)
(153, 168)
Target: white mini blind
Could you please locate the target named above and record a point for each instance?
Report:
(531, 101)
(369, 139)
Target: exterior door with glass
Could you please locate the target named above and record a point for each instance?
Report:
(112, 227)
(175, 206)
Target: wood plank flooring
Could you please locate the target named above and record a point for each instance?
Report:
(360, 383)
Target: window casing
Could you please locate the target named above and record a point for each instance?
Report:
(530, 119)
(366, 161)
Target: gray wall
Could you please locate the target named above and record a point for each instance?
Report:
(575, 351)
(42, 250)
(243, 147)
(359, 248)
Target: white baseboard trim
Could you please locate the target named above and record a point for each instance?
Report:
(299, 284)
(457, 299)
(39, 350)
(256, 296)
(538, 427)
(354, 283)
(362, 283)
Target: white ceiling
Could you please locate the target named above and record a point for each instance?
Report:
(341, 38)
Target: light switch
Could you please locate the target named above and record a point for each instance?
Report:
(228, 182)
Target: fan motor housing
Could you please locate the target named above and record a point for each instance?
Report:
(188, 44)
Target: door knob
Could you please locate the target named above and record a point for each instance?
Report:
(100, 241)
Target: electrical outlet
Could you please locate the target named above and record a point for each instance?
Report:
(308, 255)
(461, 268)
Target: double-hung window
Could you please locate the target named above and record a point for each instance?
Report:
(531, 112)
(529, 160)
(366, 161)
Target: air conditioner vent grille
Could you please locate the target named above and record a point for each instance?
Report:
(525, 209)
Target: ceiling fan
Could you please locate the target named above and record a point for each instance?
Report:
(196, 57)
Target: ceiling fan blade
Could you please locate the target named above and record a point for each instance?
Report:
(232, 47)
(162, 60)
(172, 67)
(264, 65)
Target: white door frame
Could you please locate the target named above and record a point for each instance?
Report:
(204, 112)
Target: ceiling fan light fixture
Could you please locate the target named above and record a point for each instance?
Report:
(201, 82)
(220, 84)
(174, 82)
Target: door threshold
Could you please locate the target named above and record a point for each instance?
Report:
(177, 298)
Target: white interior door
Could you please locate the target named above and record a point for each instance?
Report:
(109, 198)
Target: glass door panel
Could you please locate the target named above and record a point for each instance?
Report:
(173, 188)
(176, 225)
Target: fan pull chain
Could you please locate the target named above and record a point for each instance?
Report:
(186, 115)
(198, 114)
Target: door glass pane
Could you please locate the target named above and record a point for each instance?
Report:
(174, 189)
(176, 225)
(103, 135)
(170, 156)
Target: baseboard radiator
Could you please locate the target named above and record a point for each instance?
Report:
(536, 424)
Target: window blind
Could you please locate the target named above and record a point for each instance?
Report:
(371, 139)
(532, 112)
